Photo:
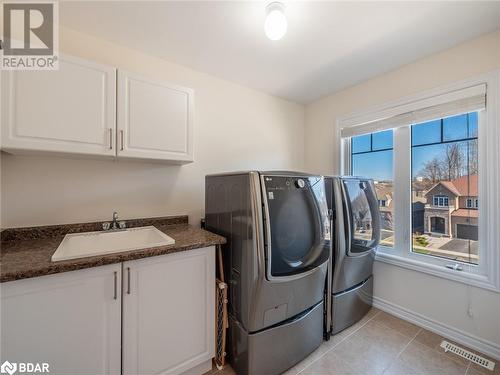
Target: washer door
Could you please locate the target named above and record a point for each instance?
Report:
(297, 225)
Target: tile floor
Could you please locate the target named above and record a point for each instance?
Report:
(382, 344)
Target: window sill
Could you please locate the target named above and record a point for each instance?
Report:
(468, 278)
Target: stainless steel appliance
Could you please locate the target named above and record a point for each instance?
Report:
(275, 260)
(356, 234)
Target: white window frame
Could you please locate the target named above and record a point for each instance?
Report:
(468, 203)
(487, 273)
(442, 200)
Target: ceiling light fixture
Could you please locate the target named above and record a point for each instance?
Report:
(276, 23)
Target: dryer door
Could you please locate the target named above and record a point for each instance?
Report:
(297, 225)
(361, 215)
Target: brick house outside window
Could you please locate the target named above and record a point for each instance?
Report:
(451, 208)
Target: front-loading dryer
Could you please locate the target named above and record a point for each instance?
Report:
(278, 247)
(356, 235)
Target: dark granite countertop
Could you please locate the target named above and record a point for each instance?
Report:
(27, 252)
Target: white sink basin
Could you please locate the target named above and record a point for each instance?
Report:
(81, 245)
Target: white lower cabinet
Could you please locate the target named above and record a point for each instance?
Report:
(168, 312)
(148, 316)
(70, 321)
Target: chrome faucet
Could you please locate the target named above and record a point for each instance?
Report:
(114, 224)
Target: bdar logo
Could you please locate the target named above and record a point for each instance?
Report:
(8, 368)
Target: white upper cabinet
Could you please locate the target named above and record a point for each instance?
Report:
(70, 110)
(73, 110)
(155, 119)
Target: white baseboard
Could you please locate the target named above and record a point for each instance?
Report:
(484, 346)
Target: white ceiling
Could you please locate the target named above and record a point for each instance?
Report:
(329, 45)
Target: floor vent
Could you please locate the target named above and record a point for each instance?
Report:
(449, 347)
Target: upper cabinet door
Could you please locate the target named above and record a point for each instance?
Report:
(155, 119)
(70, 110)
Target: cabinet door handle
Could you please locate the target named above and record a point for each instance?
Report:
(121, 136)
(116, 285)
(110, 138)
(128, 280)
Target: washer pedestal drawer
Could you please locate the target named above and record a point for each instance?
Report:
(350, 306)
(275, 349)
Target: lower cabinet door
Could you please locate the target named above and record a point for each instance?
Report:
(168, 312)
(70, 321)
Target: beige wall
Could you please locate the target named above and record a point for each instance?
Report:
(236, 128)
(439, 300)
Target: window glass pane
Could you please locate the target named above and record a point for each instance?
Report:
(444, 185)
(427, 132)
(472, 154)
(382, 140)
(455, 128)
(426, 163)
(378, 165)
(473, 125)
(361, 143)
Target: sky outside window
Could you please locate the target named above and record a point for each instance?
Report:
(372, 154)
(461, 127)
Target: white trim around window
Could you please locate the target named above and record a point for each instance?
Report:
(487, 274)
(440, 201)
(472, 203)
